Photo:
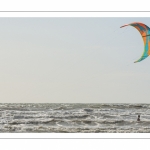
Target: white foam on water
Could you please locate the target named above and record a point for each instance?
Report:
(74, 118)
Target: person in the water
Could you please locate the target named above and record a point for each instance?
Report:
(138, 119)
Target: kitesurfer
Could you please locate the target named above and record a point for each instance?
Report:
(138, 119)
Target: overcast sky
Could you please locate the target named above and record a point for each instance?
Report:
(72, 60)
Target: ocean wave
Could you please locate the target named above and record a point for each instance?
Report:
(46, 129)
(74, 118)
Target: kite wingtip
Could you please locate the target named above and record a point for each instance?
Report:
(124, 25)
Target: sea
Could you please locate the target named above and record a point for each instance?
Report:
(74, 118)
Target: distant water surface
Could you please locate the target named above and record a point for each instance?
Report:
(73, 118)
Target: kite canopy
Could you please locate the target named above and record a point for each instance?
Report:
(145, 33)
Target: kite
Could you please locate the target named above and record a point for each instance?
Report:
(145, 33)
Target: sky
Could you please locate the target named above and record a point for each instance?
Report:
(72, 60)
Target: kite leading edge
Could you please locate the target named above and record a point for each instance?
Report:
(145, 33)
